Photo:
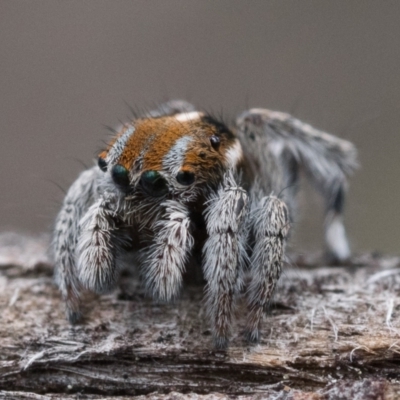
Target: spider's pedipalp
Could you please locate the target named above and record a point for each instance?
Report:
(167, 256)
(224, 254)
(269, 222)
(65, 238)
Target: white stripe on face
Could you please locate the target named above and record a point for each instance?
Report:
(174, 159)
(234, 154)
(119, 146)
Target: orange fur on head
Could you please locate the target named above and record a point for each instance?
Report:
(153, 138)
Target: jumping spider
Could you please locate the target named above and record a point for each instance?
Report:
(177, 183)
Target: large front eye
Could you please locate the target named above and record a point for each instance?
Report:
(185, 178)
(154, 184)
(120, 175)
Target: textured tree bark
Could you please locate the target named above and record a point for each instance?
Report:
(330, 333)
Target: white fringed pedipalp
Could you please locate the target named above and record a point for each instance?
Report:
(269, 227)
(224, 254)
(167, 256)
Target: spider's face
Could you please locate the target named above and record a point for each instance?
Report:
(174, 156)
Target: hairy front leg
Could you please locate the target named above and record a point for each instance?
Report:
(224, 254)
(101, 241)
(65, 239)
(269, 226)
(167, 256)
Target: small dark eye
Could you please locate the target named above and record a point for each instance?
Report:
(215, 142)
(102, 164)
(185, 178)
(120, 175)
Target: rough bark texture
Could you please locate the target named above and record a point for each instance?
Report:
(331, 333)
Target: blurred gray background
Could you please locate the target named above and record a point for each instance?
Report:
(68, 67)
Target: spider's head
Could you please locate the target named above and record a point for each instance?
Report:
(175, 156)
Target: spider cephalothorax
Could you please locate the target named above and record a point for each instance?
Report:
(176, 181)
(171, 156)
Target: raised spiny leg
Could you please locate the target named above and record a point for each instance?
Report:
(224, 254)
(167, 256)
(65, 239)
(326, 159)
(269, 228)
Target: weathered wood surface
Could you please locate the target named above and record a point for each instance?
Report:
(331, 333)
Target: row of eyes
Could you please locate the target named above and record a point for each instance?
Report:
(152, 181)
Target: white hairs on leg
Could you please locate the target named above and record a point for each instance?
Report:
(224, 254)
(98, 246)
(65, 237)
(335, 236)
(281, 145)
(167, 256)
(270, 226)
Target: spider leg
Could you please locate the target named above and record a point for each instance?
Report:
(169, 252)
(269, 228)
(100, 243)
(337, 245)
(65, 238)
(224, 253)
(281, 145)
